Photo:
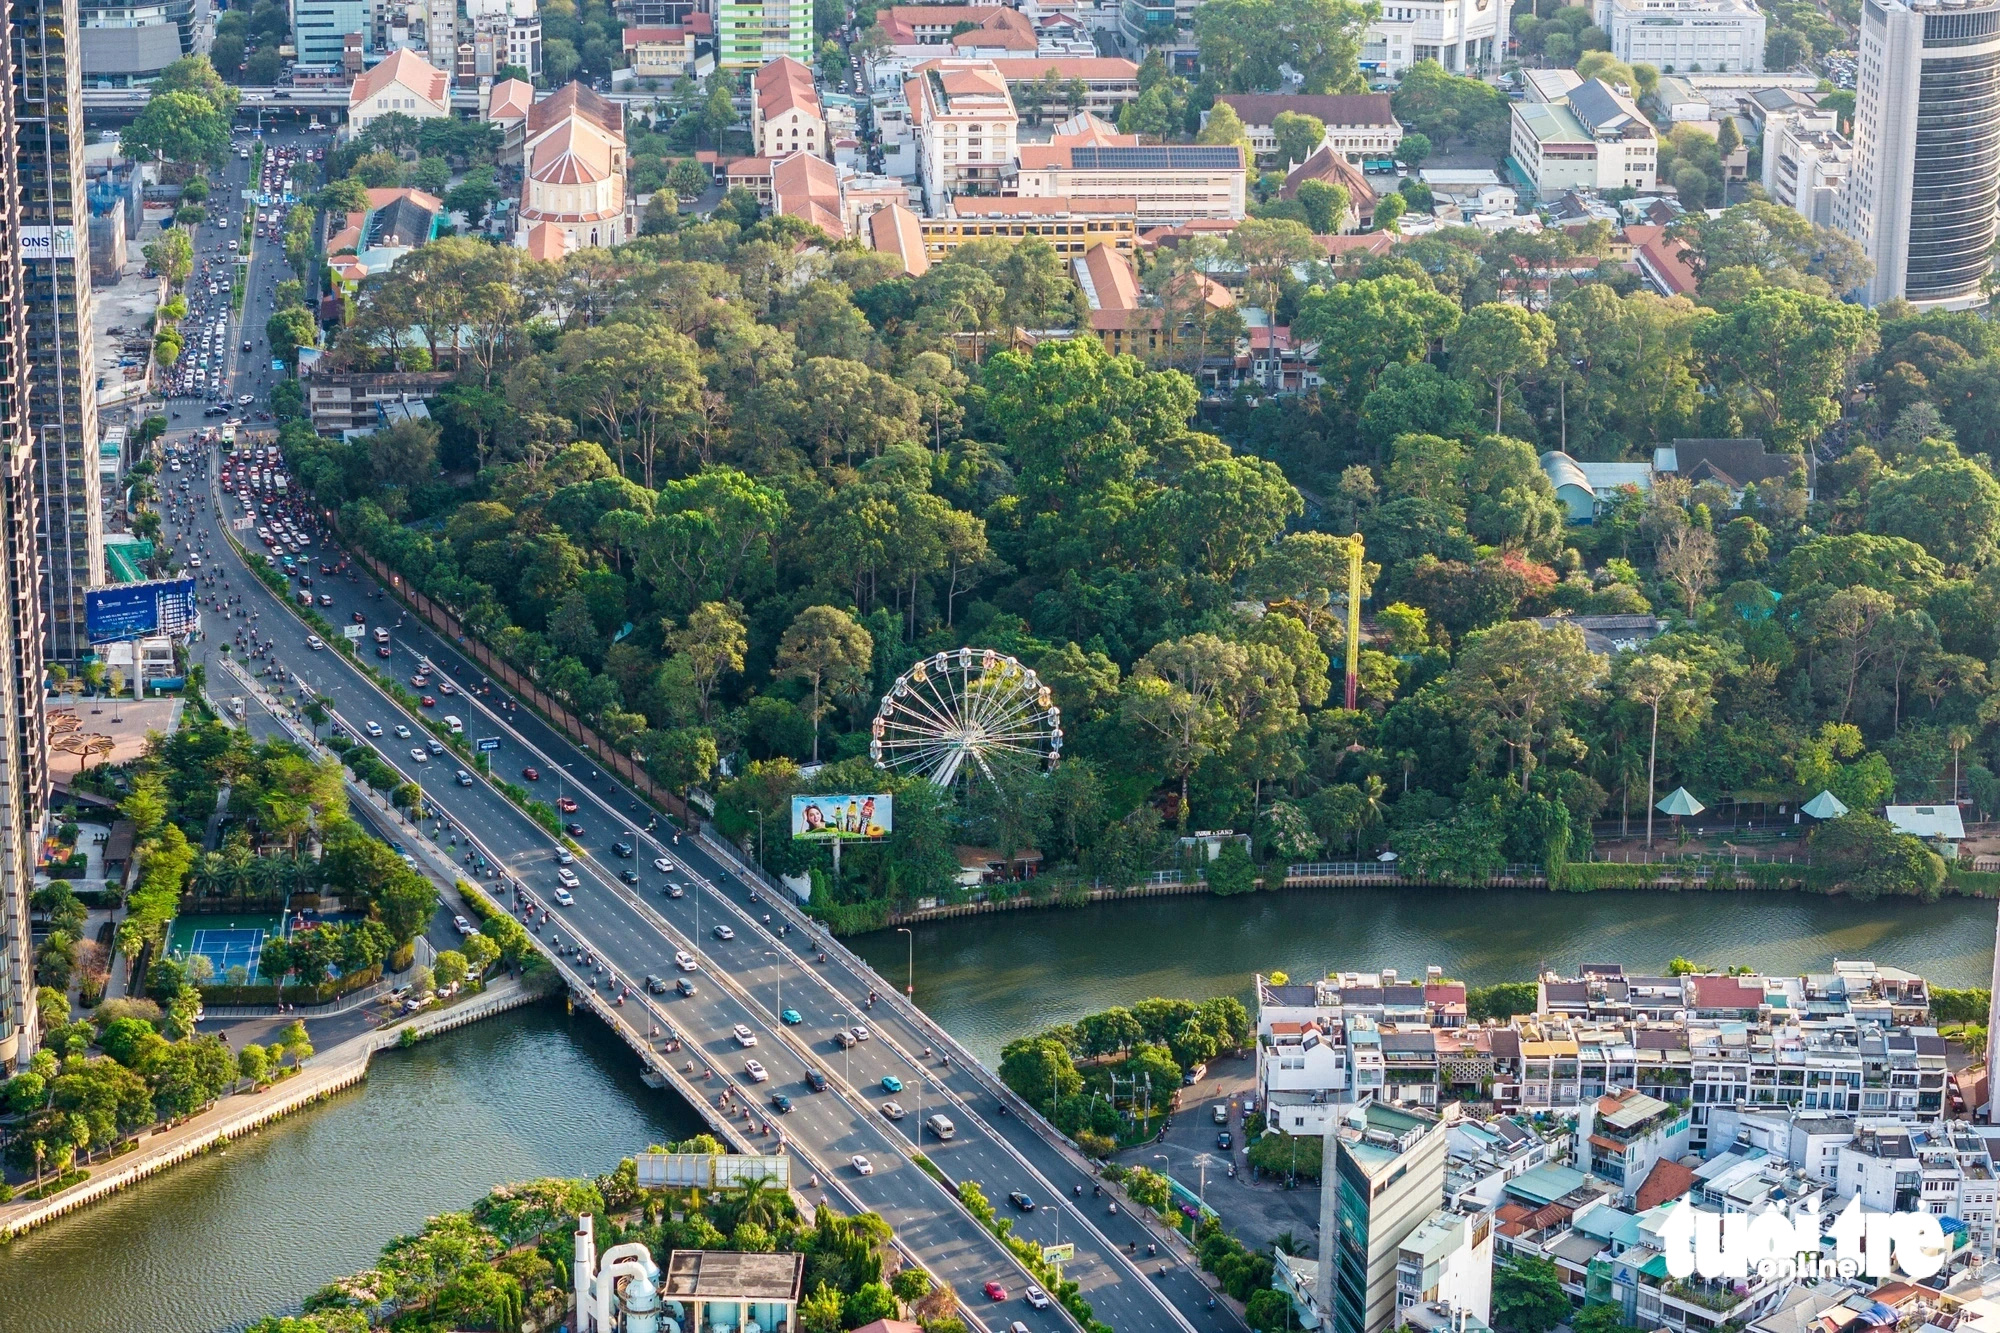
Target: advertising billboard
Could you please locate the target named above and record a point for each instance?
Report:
(136, 610)
(843, 818)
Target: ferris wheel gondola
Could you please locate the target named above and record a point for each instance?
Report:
(965, 712)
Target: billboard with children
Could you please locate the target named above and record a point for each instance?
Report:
(843, 818)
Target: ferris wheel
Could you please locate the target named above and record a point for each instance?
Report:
(974, 709)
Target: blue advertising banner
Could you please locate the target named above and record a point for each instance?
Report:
(134, 610)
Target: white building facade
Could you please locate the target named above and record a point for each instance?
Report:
(1925, 182)
(1683, 36)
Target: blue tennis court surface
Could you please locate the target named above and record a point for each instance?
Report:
(230, 948)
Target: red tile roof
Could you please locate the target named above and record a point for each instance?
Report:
(1667, 1180)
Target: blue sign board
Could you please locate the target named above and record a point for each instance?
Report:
(489, 742)
(134, 610)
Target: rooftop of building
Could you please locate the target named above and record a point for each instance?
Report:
(407, 68)
(724, 1275)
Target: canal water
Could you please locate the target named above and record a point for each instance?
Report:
(209, 1246)
(254, 1229)
(989, 979)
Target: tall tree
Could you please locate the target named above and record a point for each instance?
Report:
(826, 648)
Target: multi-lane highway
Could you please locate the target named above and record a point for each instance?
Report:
(768, 964)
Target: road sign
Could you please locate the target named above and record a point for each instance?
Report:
(1059, 1254)
(489, 742)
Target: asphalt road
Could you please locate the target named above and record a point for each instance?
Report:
(636, 929)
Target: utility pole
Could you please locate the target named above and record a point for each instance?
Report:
(910, 966)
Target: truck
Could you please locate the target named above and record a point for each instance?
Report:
(305, 597)
(278, 483)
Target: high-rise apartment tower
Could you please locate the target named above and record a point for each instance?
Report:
(1925, 181)
(23, 733)
(55, 231)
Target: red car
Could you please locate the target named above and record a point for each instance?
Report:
(359, 618)
(383, 651)
(995, 1292)
(532, 774)
(566, 805)
(429, 702)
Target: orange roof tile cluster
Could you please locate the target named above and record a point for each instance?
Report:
(407, 68)
(574, 99)
(1111, 284)
(1667, 1180)
(1663, 259)
(804, 186)
(995, 25)
(785, 85)
(545, 242)
(1333, 168)
(576, 152)
(895, 231)
(510, 100)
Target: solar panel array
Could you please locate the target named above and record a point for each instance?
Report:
(1162, 157)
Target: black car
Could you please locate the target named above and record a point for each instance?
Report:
(780, 1103)
(1223, 1141)
(815, 1080)
(655, 984)
(629, 876)
(574, 829)
(684, 986)
(621, 849)
(1021, 1201)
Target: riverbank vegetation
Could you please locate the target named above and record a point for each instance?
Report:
(100, 1081)
(505, 1262)
(1107, 1079)
(715, 489)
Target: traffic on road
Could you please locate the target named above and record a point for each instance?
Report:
(850, 1082)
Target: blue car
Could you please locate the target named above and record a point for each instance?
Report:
(790, 1017)
(890, 1083)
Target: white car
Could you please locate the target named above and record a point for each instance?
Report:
(662, 864)
(862, 1166)
(685, 961)
(563, 899)
(567, 878)
(373, 728)
(446, 687)
(194, 562)
(755, 1071)
(402, 732)
(744, 1036)
(1037, 1298)
(420, 754)
(894, 1110)
(860, 1033)
(564, 856)
(315, 642)
(461, 925)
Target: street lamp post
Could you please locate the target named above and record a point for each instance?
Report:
(779, 964)
(760, 837)
(843, 1051)
(910, 965)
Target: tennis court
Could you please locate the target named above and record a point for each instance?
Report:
(225, 941)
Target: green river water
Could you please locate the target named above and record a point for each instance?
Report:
(211, 1245)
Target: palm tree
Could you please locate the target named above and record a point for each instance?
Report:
(758, 1201)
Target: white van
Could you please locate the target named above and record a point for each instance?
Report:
(941, 1126)
(457, 727)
